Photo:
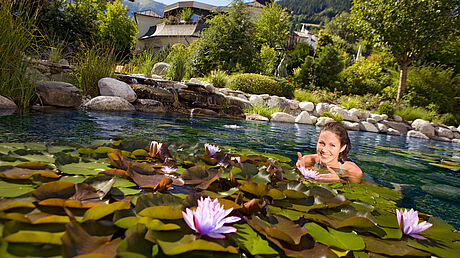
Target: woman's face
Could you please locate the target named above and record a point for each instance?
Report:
(328, 147)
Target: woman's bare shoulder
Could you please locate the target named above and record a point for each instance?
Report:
(352, 169)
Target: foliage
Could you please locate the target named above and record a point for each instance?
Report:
(410, 29)
(315, 11)
(228, 44)
(127, 205)
(298, 54)
(144, 60)
(336, 117)
(315, 96)
(262, 109)
(349, 102)
(186, 14)
(272, 25)
(16, 36)
(286, 87)
(448, 52)
(365, 76)
(433, 85)
(450, 119)
(268, 60)
(116, 29)
(323, 71)
(218, 78)
(259, 84)
(177, 58)
(94, 64)
(409, 113)
(325, 39)
(386, 108)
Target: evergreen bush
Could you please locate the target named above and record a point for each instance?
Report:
(386, 108)
(259, 84)
(450, 119)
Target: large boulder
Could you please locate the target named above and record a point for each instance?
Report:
(321, 121)
(60, 94)
(356, 112)
(277, 102)
(303, 118)
(7, 104)
(109, 103)
(417, 134)
(401, 127)
(350, 125)
(160, 68)
(444, 132)
(424, 127)
(256, 99)
(282, 117)
(293, 104)
(346, 115)
(321, 108)
(382, 128)
(165, 96)
(242, 103)
(114, 87)
(368, 127)
(233, 111)
(377, 117)
(256, 117)
(307, 106)
(392, 131)
(149, 105)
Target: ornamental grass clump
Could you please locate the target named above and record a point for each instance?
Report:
(262, 109)
(209, 218)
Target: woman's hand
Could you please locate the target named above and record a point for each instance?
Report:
(300, 162)
(331, 177)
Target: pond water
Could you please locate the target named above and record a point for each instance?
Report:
(426, 188)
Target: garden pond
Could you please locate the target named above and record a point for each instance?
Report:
(68, 176)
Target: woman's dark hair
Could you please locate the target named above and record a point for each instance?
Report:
(341, 132)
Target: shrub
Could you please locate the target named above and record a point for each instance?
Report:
(257, 84)
(177, 59)
(349, 102)
(433, 85)
(386, 108)
(94, 64)
(268, 60)
(16, 35)
(336, 117)
(303, 95)
(286, 87)
(262, 109)
(411, 113)
(298, 54)
(449, 119)
(218, 78)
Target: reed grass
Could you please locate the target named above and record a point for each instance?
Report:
(262, 109)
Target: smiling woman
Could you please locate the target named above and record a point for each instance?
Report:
(332, 154)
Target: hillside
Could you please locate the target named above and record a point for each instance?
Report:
(141, 5)
(314, 11)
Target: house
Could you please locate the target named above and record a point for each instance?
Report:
(304, 36)
(157, 32)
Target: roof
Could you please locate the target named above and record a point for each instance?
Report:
(149, 13)
(188, 4)
(174, 30)
(256, 4)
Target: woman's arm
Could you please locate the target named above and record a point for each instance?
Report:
(305, 160)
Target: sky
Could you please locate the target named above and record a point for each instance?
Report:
(212, 2)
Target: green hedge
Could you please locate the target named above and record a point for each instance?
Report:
(261, 84)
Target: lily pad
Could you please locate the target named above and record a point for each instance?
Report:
(35, 237)
(250, 241)
(104, 210)
(91, 168)
(161, 212)
(339, 239)
(14, 190)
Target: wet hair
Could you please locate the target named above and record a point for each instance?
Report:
(341, 132)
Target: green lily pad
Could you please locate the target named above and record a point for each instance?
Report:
(35, 237)
(391, 247)
(92, 168)
(161, 212)
(14, 190)
(250, 241)
(339, 239)
(104, 210)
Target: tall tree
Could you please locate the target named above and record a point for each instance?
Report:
(410, 29)
(273, 25)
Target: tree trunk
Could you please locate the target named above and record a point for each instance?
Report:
(402, 81)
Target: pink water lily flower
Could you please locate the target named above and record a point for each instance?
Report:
(236, 159)
(308, 173)
(154, 148)
(211, 149)
(408, 222)
(209, 218)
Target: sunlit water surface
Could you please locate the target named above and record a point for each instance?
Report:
(385, 168)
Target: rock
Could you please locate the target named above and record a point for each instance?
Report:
(397, 118)
(195, 81)
(307, 106)
(355, 112)
(371, 120)
(242, 103)
(210, 88)
(234, 111)
(444, 132)
(384, 116)
(293, 104)
(382, 128)
(282, 117)
(114, 87)
(321, 121)
(178, 86)
(376, 117)
(457, 141)
(365, 115)
(7, 104)
(456, 135)
(453, 128)
(303, 118)
(313, 119)
(399, 126)
(424, 127)
(64, 62)
(394, 132)
(350, 125)
(149, 105)
(160, 68)
(417, 134)
(368, 127)
(241, 96)
(109, 103)
(156, 93)
(256, 117)
(345, 114)
(275, 101)
(60, 94)
(256, 99)
(203, 112)
(442, 139)
(321, 108)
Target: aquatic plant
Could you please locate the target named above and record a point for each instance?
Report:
(209, 218)
(154, 148)
(408, 222)
(308, 173)
(211, 149)
(262, 109)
